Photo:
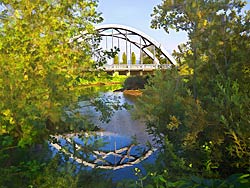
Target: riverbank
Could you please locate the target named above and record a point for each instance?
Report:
(130, 86)
(103, 80)
(102, 84)
(135, 93)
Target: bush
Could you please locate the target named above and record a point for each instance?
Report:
(135, 82)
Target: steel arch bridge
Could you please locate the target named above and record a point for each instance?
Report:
(145, 41)
(140, 40)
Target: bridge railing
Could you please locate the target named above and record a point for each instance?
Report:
(135, 67)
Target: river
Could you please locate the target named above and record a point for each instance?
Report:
(122, 123)
(125, 143)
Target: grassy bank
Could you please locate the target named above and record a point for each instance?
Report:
(103, 79)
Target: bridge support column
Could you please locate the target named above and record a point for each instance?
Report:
(128, 73)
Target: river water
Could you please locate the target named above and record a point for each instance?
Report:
(122, 123)
(125, 145)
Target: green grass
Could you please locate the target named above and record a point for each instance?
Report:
(104, 80)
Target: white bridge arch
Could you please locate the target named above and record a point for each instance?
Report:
(123, 32)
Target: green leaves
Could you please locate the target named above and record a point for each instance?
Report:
(213, 66)
(38, 72)
(38, 64)
(233, 181)
(133, 58)
(38, 67)
(124, 58)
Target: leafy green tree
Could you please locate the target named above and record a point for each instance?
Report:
(163, 60)
(124, 58)
(116, 60)
(201, 117)
(161, 180)
(158, 55)
(174, 119)
(39, 66)
(147, 60)
(133, 58)
(207, 21)
(39, 72)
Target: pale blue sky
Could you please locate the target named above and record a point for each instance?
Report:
(136, 13)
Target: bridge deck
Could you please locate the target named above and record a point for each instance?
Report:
(137, 67)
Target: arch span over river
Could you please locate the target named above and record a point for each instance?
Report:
(130, 35)
(145, 41)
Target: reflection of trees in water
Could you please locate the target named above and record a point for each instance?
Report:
(88, 150)
(90, 156)
(121, 121)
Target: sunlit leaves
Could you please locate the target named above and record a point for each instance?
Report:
(39, 65)
(173, 124)
(214, 66)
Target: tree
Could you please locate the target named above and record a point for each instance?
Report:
(209, 132)
(174, 119)
(124, 58)
(133, 58)
(147, 59)
(205, 21)
(155, 51)
(39, 71)
(116, 60)
(39, 66)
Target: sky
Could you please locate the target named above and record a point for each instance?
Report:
(136, 14)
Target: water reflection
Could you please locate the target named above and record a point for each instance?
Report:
(102, 150)
(122, 144)
(121, 123)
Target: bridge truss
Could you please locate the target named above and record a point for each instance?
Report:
(129, 34)
(134, 37)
